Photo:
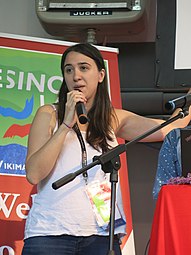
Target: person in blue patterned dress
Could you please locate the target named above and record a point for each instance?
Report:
(169, 160)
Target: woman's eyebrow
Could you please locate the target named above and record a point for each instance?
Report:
(80, 63)
(67, 65)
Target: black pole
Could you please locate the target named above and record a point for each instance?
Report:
(113, 180)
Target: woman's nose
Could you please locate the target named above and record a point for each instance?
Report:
(77, 74)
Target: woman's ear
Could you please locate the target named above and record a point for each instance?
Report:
(101, 75)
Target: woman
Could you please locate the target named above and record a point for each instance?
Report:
(169, 160)
(62, 221)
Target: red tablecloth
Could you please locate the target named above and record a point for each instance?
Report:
(171, 227)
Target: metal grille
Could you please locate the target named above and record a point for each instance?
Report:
(45, 5)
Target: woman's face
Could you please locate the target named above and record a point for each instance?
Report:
(81, 72)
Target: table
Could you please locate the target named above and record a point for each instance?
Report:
(171, 227)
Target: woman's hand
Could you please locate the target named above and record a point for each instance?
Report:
(73, 97)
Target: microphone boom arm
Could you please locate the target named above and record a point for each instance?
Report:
(114, 152)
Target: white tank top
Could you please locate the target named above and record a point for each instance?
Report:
(68, 210)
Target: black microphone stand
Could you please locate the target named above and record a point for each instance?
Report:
(110, 163)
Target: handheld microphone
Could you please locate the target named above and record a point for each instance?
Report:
(81, 112)
(179, 102)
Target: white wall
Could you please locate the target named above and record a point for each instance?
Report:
(183, 37)
(19, 17)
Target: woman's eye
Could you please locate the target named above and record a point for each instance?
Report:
(83, 68)
(68, 70)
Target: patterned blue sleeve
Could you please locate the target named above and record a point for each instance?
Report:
(169, 164)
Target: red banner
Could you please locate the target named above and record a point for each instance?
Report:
(22, 87)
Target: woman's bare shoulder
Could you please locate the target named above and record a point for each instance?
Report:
(48, 108)
(46, 115)
(119, 115)
(122, 114)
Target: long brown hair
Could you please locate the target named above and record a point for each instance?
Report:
(99, 130)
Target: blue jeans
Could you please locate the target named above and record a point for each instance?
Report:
(69, 245)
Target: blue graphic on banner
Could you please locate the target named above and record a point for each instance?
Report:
(12, 159)
(25, 113)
